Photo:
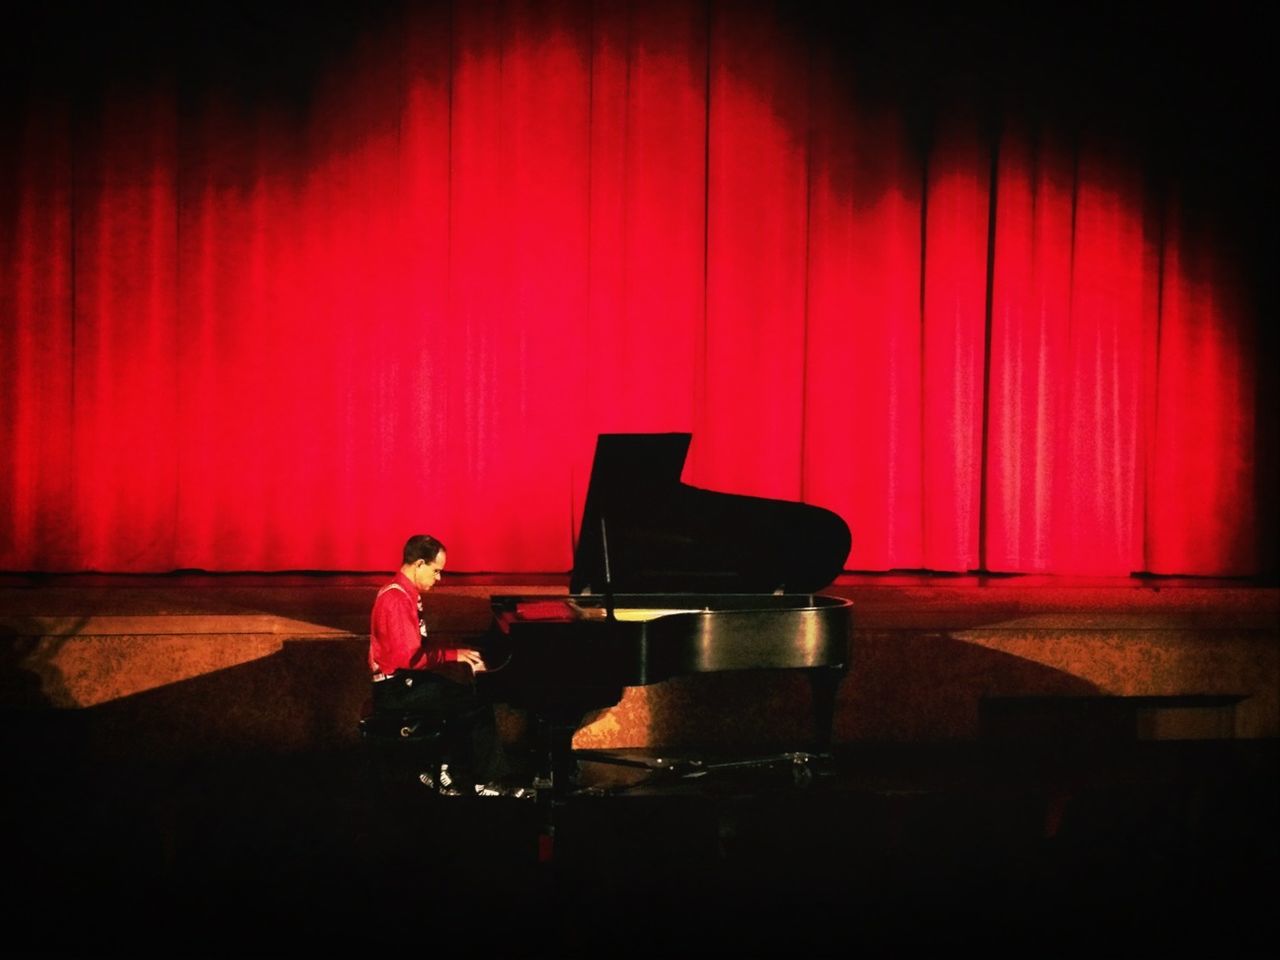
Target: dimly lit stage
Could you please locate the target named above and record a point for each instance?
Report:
(1019, 763)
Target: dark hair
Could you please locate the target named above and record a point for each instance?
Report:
(422, 547)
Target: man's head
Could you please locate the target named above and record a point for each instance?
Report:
(423, 561)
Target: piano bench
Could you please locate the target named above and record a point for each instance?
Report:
(403, 740)
(399, 726)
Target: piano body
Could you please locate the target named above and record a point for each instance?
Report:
(670, 580)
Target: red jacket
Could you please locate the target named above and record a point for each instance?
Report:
(397, 636)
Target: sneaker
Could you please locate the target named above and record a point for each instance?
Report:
(446, 788)
(498, 790)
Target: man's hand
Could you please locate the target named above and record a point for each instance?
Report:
(473, 657)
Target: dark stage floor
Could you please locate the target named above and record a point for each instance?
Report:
(1153, 846)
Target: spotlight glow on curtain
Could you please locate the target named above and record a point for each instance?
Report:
(238, 338)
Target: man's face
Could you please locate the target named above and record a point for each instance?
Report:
(427, 575)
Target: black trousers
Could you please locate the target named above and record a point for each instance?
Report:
(475, 752)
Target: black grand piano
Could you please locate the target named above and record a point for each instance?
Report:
(670, 580)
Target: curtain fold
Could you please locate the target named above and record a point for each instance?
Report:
(254, 334)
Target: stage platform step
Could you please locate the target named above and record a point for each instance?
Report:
(933, 658)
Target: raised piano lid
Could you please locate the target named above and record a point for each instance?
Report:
(665, 536)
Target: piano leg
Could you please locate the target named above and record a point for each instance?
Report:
(824, 684)
(557, 720)
(557, 768)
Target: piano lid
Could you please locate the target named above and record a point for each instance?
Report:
(665, 536)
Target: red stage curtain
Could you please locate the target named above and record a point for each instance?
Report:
(241, 333)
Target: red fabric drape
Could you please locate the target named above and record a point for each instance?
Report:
(237, 335)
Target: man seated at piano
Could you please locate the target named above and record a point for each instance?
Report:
(412, 674)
